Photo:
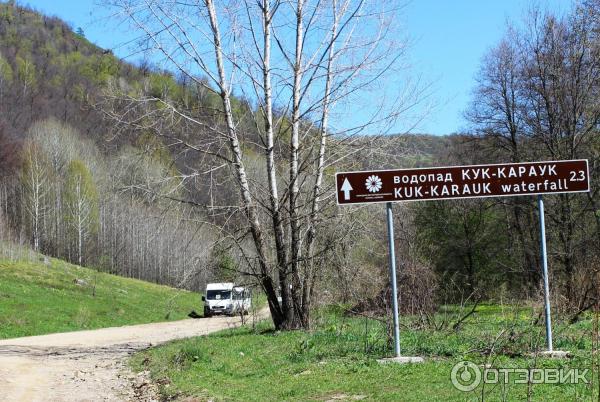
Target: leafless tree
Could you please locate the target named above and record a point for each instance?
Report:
(81, 199)
(537, 99)
(35, 185)
(299, 63)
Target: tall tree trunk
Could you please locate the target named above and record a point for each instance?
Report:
(310, 274)
(280, 245)
(294, 314)
(249, 207)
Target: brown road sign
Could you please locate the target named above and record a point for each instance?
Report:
(440, 183)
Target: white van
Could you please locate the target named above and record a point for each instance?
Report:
(226, 298)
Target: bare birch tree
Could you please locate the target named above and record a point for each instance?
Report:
(81, 199)
(298, 63)
(35, 184)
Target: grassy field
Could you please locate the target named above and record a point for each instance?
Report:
(337, 360)
(36, 298)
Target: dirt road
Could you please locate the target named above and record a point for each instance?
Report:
(89, 365)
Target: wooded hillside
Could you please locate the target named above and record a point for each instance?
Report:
(79, 184)
(135, 171)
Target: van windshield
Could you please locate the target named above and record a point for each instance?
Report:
(218, 294)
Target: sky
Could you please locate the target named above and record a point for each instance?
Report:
(449, 39)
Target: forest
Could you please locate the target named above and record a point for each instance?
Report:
(166, 175)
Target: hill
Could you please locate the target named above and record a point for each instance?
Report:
(49, 71)
(57, 90)
(47, 295)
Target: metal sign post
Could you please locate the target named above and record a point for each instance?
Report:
(390, 227)
(545, 273)
(454, 182)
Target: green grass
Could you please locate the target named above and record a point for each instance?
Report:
(37, 299)
(337, 360)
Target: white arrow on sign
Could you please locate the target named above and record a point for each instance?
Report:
(346, 188)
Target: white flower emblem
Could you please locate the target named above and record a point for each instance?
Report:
(373, 184)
